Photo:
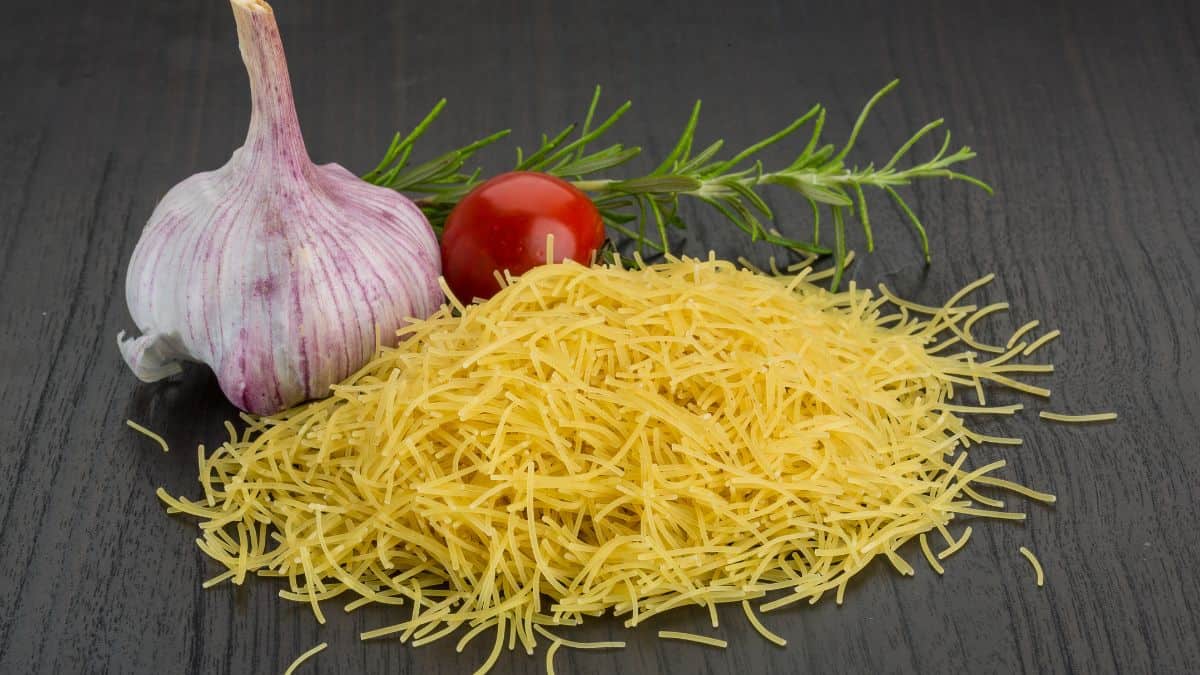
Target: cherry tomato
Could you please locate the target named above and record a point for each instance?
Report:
(502, 225)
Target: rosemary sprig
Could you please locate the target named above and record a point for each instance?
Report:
(440, 176)
(645, 208)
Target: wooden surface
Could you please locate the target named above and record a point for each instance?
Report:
(1085, 121)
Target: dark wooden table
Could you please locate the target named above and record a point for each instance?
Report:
(1085, 121)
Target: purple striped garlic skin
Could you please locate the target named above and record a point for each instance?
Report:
(272, 270)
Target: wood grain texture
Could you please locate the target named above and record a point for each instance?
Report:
(1084, 116)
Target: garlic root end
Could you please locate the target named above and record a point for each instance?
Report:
(151, 357)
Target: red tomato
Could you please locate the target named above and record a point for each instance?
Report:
(503, 223)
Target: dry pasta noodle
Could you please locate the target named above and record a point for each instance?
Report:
(955, 546)
(1044, 497)
(495, 653)
(607, 440)
(550, 652)
(692, 637)
(1038, 343)
(304, 657)
(1020, 332)
(933, 561)
(162, 442)
(573, 644)
(1037, 566)
(757, 624)
(1064, 417)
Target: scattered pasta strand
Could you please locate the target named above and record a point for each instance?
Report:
(1040, 342)
(1020, 332)
(600, 439)
(692, 637)
(757, 624)
(162, 442)
(1064, 417)
(954, 547)
(554, 647)
(573, 644)
(1037, 566)
(304, 657)
(933, 561)
(1044, 497)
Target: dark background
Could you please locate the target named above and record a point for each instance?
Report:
(1085, 120)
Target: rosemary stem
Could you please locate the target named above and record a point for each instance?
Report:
(715, 187)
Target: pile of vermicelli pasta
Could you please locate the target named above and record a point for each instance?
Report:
(595, 439)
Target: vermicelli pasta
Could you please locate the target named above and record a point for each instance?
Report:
(1064, 417)
(304, 657)
(1037, 566)
(602, 440)
(692, 637)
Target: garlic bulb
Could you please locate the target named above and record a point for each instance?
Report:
(277, 273)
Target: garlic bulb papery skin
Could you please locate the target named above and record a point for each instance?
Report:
(277, 273)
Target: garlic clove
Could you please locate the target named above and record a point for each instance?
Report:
(277, 273)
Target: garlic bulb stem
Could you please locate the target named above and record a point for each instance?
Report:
(274, 132)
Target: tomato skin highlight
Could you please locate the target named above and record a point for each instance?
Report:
(502, 225)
